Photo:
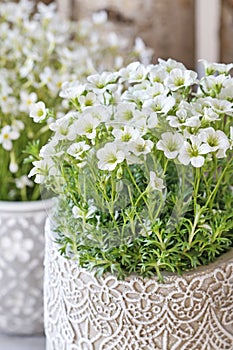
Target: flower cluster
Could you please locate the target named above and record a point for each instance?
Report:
(38, 52)
(142, 166)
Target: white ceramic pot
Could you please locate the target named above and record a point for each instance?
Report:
(189, 312)
(21, 266)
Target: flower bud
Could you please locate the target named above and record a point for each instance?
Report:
(13, 167)
(119, 173)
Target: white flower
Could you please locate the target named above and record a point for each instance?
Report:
(160, 104)
(146, 91)
(109, 156)
(126, 134)
(86, 125)
(77, 149)
(83, 213)
(213, 83)
(184, 117)
(8, 104)
(46, 76)
(46, 11)
(23, 181)
(155, 183)
(171, 144)
(179, 78)
(87, 100)
(140, 146)
(152, 120)
(17, 125)
(127, 113)
(144, 52)
(99, 112)
(170, 64)
(55, 83)
(217, 141)
(100, 17)
(38, 111)
(42, 169)
(137, 74)
(63, 127)
(102, 82)
(8, 134)
(202, 108)
(221, 106)
(193, 152)
(71, 89)
(226, 92)
(27, 99)
(13, 166)
(212, 67)
(157, 75)
(49, 149)
(210, 115)
(128, 72)
(26, 68)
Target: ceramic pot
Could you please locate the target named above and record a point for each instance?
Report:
(189, 312)
(21, 266)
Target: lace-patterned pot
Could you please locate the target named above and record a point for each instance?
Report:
(189, 312)
(21, 266)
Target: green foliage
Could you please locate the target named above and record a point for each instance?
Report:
(176, 242)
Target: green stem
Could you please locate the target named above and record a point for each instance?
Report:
(35, 194)
(215, 167)
(23, 193)
(160, 206)
(139, 197)
(141, 194)
(214, 192)
(5, 176)
(196, 208)
(196, 187)
(113, 188)
(194, 225)
(135, 212)
(165, 167)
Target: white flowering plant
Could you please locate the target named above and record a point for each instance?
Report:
(38, 52)
(142, 167)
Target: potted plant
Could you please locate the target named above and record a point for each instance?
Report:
(38, 53)
(139, 246)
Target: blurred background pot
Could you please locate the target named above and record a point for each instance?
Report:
(188, 312)
(21, 266)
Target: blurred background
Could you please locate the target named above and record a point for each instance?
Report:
(185, 30)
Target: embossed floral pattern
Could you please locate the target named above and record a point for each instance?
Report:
(21, 268)
(15, 246)
(189, 312)
(223, 286)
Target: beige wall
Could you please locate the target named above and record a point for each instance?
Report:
(207, 29)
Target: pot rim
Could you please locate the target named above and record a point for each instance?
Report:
(22, 206)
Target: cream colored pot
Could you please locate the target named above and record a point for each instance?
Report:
(21, 266)
(189, 312)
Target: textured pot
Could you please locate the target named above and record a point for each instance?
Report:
(189, 312)
(21, 266)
